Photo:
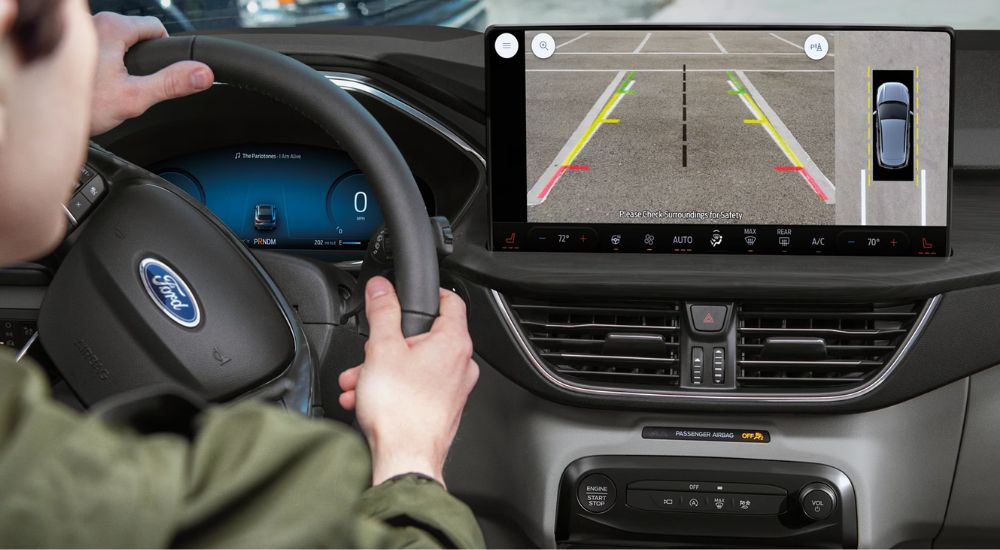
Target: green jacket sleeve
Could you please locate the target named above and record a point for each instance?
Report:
(253, 476)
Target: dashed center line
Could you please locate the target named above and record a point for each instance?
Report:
(684, 125)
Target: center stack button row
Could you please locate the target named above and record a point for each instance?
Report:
(675, 501)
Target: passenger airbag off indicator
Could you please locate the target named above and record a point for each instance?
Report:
(596, 493)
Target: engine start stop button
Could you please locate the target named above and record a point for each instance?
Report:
(596, 493)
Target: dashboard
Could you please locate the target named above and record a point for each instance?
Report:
(893, 358)
(283, 196)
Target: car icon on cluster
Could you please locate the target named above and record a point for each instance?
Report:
(893, 124)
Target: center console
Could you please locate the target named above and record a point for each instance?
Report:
(640, 501)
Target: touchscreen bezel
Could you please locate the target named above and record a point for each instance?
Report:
(506, 161)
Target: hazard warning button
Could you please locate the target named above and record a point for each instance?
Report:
(709, 318)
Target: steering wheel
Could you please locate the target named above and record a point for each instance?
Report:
(154, 289)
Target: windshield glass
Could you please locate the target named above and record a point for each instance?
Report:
(186, 15)
(892, 110)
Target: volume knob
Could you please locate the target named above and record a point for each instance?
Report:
(818, 501)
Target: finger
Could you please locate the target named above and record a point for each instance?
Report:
(128, 31)
(348, 379)
(383, 310)
(178, 80)
(348, 400)
(471, 375)
(452, 315)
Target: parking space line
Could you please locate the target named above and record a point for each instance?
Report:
(757, 54)
(869, 115)
(802, 162)
(916, 128)
(571, 40)
(864, 198)
(786, 41)
(643, 43)
(597, 116)
(923, 197)
(717, 43)
(678, 70)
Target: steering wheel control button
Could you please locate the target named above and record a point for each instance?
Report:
(94, 189)
(86, 174)
(506, 45)
(596, 493)
(78, 206)
(818, 501)
(719, 365)
(697, 364)
(709, 318)
(543, 45)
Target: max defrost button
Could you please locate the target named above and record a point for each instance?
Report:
(596, 493)
(709, 318)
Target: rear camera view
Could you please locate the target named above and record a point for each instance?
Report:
(791, 127)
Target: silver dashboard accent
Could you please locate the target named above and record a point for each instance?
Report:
(829, 397)
(362, 85)
(27, 346)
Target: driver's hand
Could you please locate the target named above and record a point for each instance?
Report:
(119, 96)
(409, 393)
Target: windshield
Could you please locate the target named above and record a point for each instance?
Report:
(187, 15)
(892, 110)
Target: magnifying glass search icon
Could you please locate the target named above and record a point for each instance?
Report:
(543, 45)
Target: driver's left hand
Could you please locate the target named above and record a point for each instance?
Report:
(119, 96)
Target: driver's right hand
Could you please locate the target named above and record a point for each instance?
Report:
(409, 392)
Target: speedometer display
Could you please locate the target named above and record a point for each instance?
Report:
(282, 196)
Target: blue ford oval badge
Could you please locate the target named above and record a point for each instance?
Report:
(169, 292)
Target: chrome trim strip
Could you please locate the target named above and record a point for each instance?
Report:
(521, 339)
(350, 82)
(69, 216)
(360, 84)
(27, 346)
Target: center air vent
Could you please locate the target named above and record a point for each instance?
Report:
(817, 348)
(618, 345)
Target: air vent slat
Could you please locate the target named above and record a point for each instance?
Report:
(607, 359)
(806, 365)
(670, 310)
(793, 382)
(838, 333)
(614, 344)
(814, 347)
(595, 327)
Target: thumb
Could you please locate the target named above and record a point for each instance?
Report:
(383, 310)
(178, 80)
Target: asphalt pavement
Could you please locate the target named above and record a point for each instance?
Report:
(680, 127)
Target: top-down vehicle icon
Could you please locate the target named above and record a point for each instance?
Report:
(892, 125)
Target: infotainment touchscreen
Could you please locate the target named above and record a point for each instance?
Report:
(783, 140)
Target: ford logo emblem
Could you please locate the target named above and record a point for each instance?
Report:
(169, 292)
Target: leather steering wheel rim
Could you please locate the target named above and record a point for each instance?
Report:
(347, 122)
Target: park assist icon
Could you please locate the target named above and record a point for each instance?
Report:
(816, 47)
(506, 45)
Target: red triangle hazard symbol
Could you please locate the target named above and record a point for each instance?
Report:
(709, 320)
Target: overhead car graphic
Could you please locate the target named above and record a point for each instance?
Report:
(265, 217)
(892, 125)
